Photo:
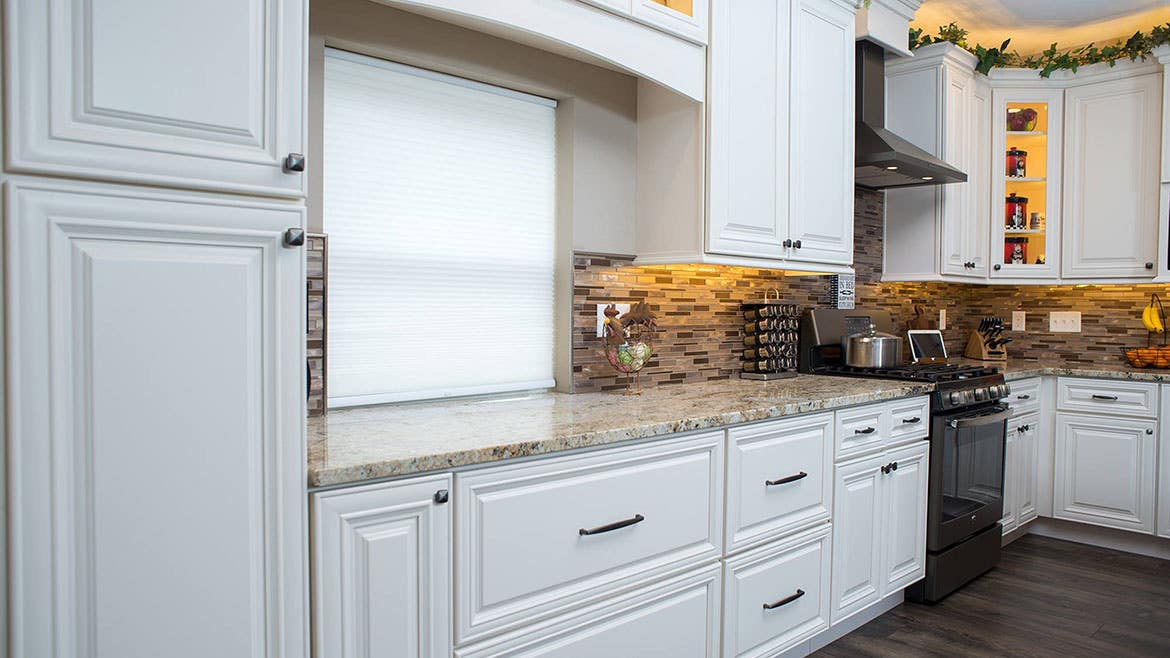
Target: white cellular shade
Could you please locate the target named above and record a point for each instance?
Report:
(439, 203)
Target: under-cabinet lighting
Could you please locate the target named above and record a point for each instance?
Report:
(894, 168)
(928, 178)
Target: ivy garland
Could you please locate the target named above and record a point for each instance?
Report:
(1052, 59)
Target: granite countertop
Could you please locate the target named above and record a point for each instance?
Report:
(353, 445)
(1024, 368)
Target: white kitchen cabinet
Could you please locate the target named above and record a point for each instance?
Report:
(776, 596)
(1111, 193)
(156, 423)
(684, 18)
(1010, 518)
(821, 126)
(938, 103)
(1163, 504)
(382, 570)
(879, 527)
(1105, 471)
(208, 95)
(1020, 471)
(779, 144)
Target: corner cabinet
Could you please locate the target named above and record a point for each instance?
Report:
(156, 423)
(1111, 194)
(84, 92)
(779, 143)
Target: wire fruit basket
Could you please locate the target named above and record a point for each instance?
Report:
(1152, 355)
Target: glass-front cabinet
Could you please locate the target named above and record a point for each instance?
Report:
(684, 18)
(1026, 160)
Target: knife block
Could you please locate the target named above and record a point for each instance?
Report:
(977, 349)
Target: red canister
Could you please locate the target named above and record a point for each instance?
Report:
(1017, 163)
(1015, 213)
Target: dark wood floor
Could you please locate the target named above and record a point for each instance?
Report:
(1046, 598)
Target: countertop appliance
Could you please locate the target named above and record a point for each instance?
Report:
(967, 438)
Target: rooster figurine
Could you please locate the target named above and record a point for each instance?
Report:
(626, 341)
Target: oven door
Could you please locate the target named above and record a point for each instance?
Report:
(966, 474)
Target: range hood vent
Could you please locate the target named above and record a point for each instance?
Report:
(884, 160)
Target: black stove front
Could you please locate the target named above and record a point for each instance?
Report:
(967, 442)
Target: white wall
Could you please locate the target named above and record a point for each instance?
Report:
(597, 117)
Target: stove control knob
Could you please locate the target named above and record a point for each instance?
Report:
(980, 394)
(996, 392)
(956, 398)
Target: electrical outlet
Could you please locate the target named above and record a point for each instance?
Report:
(622, 308)
(942, 319)
(1019, 321)
(1064, 322)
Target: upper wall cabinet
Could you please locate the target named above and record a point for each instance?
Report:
(1112, 151)
(779, 145)
(207, 95)
(685, 18)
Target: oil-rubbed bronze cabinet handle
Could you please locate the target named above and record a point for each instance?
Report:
(911, 421)
(610, 527)
(868, 430)
(785, 480)
(784, 601)
(1023, 397)
(1110, 398)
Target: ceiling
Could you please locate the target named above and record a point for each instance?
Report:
(1034, 24)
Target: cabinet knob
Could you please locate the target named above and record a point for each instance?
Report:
(1149, 266)
(796, 244)
(998, 267)
(442, 496)
(294, 237)
(787, 244)
(1149, 431)
(294, 163)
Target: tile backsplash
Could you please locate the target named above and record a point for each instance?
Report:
(701, 335)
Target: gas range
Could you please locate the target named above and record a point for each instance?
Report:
(956, 386)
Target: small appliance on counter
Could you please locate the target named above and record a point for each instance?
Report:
(987, 342)
(968, 433)
(771, 339)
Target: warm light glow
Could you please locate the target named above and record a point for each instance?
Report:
(895, 168)
(928, 178)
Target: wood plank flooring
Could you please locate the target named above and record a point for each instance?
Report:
(1046, 598)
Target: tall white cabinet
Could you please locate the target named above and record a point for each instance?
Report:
(156, 333)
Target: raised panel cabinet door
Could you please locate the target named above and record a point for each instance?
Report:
(748, 143)
(1111, 192)
(821, 126)
(979, 175)
(957, 199)
(780, 478)
(904, 490)
(1164, 465)
(1027, 451)
(382, 570)
(156, 427)
(1105, 469)
(857, 528)
(1011, 468)
(206, 95)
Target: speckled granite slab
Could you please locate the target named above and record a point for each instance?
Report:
(354, 445)
(1025, 368)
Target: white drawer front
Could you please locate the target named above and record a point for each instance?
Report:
(776, 596)
(780, 478)
(860, 430)
(909, 419)
(678, 618)
(1025, 396)
(1112, 397)
(521, 552)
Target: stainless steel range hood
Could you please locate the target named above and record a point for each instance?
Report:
(882, 159)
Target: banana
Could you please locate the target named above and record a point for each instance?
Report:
(1152, 319)
(1149, 324)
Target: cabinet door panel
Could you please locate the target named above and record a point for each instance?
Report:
(857, 513)
(1027, 449)
(382, 569)
(748, 146)
(1164, 465)
(157, 417)
(204, 94)
(904, 524)
(821, 130)
(956, 199)
(1011, 468)
(1111, 168)
(1105, 471)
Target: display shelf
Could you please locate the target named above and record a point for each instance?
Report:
(1025, 179)
(1026, 133)
(1026, 231)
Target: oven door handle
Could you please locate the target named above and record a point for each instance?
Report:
(977, 421)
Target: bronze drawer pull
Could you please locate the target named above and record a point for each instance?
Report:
(868, 430)
(785, 480)
(784, 601)
(610, 527)
(1110, 398)
(911, 421)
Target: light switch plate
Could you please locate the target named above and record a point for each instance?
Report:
(942, 319)
(1064, 322)
(622, 308)
(1019, 321)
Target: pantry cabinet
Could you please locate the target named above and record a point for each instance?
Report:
(208, 95)
(1111, 194)
(779, 144)
(156, 423)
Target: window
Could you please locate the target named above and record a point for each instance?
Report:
(439, 202)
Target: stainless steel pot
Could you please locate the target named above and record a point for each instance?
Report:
(872, 349)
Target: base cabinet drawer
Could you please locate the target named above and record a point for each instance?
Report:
(1024, 397)
(909, 419)
(678, 618)
(542, 538)
(382, 570)
(780, 477)
(860, 430)
(1113, 397)
(777, 596)
(1105, 471)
